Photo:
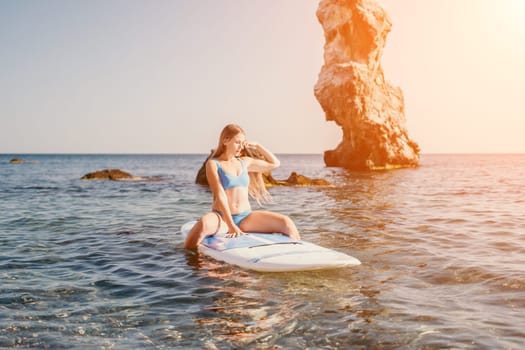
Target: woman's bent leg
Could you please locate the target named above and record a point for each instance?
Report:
(208, 224)
(270, 222)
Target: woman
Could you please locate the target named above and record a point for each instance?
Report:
(233, 178)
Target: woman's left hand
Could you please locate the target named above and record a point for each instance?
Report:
(250, 145)
(235, 232)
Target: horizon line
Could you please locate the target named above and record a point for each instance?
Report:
(202, 153)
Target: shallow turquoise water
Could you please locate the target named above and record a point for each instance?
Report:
(93, 265)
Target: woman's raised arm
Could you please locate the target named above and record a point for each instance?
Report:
(268, 163)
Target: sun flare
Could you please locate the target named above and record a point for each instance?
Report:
(503, 20)
(515, 14)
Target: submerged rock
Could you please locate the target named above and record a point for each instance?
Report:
(110, 174)
(353, 92)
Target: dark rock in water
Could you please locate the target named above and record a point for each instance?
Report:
(296, 180)
(110, 174)
(201, 178)
(301, 180)
(293, 180)
(17, 161)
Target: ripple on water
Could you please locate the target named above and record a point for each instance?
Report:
(99, 265)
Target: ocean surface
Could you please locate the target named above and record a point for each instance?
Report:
(100, 264)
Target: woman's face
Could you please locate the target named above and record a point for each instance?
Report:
(236, 144)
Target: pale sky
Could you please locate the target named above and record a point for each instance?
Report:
(101, 76)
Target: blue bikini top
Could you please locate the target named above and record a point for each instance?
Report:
(231, 181)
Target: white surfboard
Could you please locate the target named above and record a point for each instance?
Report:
(273, 252)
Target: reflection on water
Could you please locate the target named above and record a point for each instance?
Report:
(242, 310)
(435, 250)
(294, 309)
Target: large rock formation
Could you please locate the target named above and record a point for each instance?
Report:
(353, 92)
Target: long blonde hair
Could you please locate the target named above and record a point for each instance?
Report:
(257, 189)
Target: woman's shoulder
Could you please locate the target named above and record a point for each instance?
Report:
(213, 162)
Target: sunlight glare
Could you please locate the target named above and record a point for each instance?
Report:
(515, 14)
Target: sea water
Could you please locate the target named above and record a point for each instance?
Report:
(100, 264)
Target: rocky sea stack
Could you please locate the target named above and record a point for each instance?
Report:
(353, 92)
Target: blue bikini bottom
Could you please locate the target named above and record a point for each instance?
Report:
(237, 218)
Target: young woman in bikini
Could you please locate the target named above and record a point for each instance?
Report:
(233, 178)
